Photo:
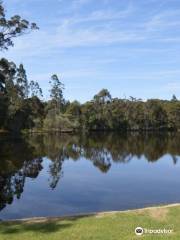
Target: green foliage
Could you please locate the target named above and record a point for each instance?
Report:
(57, 122)
(34, 89)
(17, 109)
(21, 108)
(103, 96)
(11, 28)
(3, 110)
(22, 82)
(7, 72)
(56, 92)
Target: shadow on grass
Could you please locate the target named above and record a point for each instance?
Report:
(42, 226)
(48, 227)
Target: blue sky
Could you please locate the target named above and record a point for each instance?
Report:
(131, 47)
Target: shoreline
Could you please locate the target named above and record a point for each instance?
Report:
(95, 214)
(54, 131)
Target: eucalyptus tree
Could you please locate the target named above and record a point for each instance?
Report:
(11, 28)
(56, 92)
(35, 89)
(103, 96)
(22, 82)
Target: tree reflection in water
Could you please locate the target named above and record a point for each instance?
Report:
(22, 158)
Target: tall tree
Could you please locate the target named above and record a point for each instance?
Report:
(56, 92)
(174, 98)
(22, 82)
(7, 73)
(35, 90)
(9, 29)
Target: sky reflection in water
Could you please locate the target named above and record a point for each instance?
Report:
(55, 175)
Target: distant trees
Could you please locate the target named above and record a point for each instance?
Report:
(55, 120)
(21, 106)
(22, 109)
(74, 113)
(57, 123)
(130, 114)
(157, 115)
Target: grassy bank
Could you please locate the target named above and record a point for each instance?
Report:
(102, 226)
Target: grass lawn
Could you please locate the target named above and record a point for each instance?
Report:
(103, 226)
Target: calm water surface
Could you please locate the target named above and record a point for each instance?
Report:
(55, 175)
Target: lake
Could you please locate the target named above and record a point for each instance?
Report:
(54, 175)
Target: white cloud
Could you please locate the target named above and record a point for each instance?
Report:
(173, 86)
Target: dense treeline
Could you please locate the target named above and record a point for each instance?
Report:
(22, 108)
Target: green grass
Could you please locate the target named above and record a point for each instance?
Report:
(104, 226)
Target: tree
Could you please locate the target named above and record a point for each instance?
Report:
(2, 76)
(57, 122)
(3, 110)
(34, 89)
(174, 98)
(22, 82)
(15, 113)
(103, 96)
(157, 114)
(56, 92)
(11, 28)
(7, 73)
(74, 109)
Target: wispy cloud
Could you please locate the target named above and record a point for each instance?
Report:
(96, 29)
(172, 86)
(122, 41)
(163, 20)
(79, 3)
